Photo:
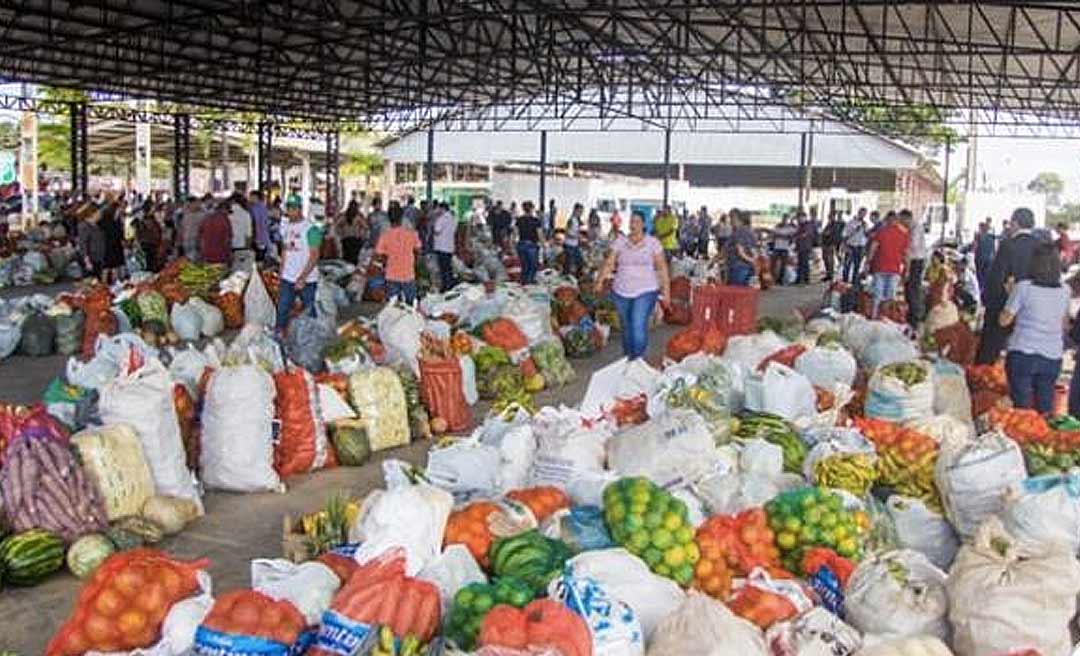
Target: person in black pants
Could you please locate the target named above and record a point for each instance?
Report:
(528, 246)
(1011, 265)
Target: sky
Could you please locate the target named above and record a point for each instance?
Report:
(1011, 163)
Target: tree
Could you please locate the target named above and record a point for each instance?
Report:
(1067, 213)
(1049, 184)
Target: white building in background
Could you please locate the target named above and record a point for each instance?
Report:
(757, 170)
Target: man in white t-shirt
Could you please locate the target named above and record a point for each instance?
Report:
(444, 230)
(300, 242)
(241, 223)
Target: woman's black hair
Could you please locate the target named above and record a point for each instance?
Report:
(1045, 268)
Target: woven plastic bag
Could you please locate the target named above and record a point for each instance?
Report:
(258, 308)
(898, 594)
(237, 451)
(379, 399)
(705, 627)
(142, 397)
(302, 445)
(973, 477)
(112, 457)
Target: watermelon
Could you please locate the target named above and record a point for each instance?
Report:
(28, 558)
(123, 539)
(351, 442)
(87, 553)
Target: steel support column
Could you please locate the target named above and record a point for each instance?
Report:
(265, 155)
(808, 175)
(667, 165)
(333, 170)
(80, 176)
(945, 190)
(429, 166)
(800, 179)
(181, 167)
(543, 174)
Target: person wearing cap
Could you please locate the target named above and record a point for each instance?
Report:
(300, 243)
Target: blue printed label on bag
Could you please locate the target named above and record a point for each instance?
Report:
(828, 588)
(209, 642)
(341, 635)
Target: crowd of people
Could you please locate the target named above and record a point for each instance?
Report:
(1011, 280)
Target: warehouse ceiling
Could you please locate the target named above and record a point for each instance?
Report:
(399, 64)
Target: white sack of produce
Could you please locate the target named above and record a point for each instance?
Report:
(973, 476)
(748, 351)
(113, 459)
(451, 571)
(237, 431)
(468, 379)
(817, 632)
(943, 428)
(309, 586)
(781, 391)
(10, 335)
(331, 406)
(186, 321)
(213, 322)
(1003, 597)
(901, 392)
(186, 367)
(722, 376)
(826, 366)
(109, 353)
(923, 530)
(1044, 510)
(464, 467)
(407, 516)
(898, 594)
(920, 646)
(614, 627)
(628, 579)
(254, 344)
(258, 307)
(619, 380)
(888, 349)
(951, 394)
(399, 329)
(705, 627)
(532, 317)
(143, 399)
(379, 400)
(516, 444)
(674, 447)
(566, 444)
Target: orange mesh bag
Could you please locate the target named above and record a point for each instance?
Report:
(231, 305)
(443, 392)
(543, 501)
(505, 334)
(189, 424)
(543, 623)
(302, 444)
(469, 526)
(123, 605)
(249, 622)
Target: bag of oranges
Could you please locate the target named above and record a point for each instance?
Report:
(125, 604)
(245, 622)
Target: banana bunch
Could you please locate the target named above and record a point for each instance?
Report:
(908, 373)
(410, 645)
(912, 479)
(852, 472)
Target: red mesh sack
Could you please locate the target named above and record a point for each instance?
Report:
(505, 334)
(302, 443)
(785, 356)
(188, 419)
(124, 603)
(241, 615)
(683, 343)
(543, 623)
(957, 343)
(442, 390)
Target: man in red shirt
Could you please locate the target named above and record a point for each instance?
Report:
(215, 236)
(888, 248)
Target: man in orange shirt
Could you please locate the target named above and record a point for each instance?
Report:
(888, 248)
(399, 246)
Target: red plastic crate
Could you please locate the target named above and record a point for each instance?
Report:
(733, 308)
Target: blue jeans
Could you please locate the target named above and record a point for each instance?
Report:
(1031, 380)
(573, 261)
(529, 254)
(446, 270)
(740, 274)
(286, 298)
(405, 290)
(853, 264)
(884, 288)
(1074, 392)
(634, 316)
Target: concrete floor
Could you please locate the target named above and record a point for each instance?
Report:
(240, 527)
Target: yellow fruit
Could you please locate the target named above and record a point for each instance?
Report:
(674, 557)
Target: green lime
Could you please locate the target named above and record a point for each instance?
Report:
(809, 535)
(693, 553)
(672, 521)
(684, 535)
(640, 496)
(653, 519)
(662, 539)
(786, 540)
(814, 515)
(776, 524)
(679, 507)
(519, 598)
(828, 519)
(653, 556)
(483, 603)
(464, 596)
(639, 541)
(808, 502)
(840, 533)
(633, 523)
(663, 570)
(847, 548)
(616, 512)
(834, 503)
(674, 557)
(637, 508)
(792, 524)
(684, 576)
